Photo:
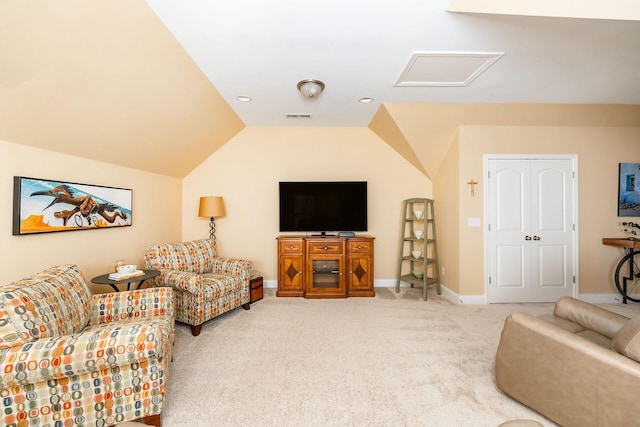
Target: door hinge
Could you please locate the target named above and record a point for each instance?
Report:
(489, 225)
(489, 279)
(574, 280)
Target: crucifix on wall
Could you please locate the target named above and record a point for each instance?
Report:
(472, 183)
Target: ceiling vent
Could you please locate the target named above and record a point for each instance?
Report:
(446, 68)
(298, 116)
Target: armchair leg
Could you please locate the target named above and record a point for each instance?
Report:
(152, 420)
(195, 329)
(246, 306)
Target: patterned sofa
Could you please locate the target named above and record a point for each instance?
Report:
(71, 359)
(205, 286)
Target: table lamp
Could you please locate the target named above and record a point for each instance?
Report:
(211, 207)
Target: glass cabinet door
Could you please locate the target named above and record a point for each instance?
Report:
(326, 277)
(326, 274)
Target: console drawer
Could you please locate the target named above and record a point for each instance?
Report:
(329, 247)
(291, 246)
(360, 247)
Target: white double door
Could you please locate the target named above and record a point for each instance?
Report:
(531, 229)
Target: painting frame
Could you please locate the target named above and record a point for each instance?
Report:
(629, 189)
(45, 206)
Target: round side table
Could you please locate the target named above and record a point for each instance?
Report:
(104, 280)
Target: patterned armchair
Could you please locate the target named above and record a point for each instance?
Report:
(205, 286)
(71, 359)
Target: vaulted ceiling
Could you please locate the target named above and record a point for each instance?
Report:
(362, 49)
(154, 85)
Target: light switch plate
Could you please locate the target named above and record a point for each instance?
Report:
(473, 222)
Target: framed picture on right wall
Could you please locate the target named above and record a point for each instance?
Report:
(629, 190)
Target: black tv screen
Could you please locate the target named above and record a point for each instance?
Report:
(323, 206)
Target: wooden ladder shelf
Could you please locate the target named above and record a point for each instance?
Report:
(418, 263)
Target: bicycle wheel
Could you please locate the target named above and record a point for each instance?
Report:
(628, 277)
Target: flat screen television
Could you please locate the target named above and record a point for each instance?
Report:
(330, 206)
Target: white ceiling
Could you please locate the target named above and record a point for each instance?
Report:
(361, 48)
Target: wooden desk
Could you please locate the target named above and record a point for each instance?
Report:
(627, 275)
(622, 242)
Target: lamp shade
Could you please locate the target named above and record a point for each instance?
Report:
(211, 207)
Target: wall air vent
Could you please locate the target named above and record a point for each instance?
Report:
(298, 116)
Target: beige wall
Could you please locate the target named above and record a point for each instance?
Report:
(599, 150)
(246, 172)
(446, 194)
(103, 78)
(247, 169)
(156, 215)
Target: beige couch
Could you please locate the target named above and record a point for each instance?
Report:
(578, 367)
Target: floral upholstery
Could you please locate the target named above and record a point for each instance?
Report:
(71, 359)
(205, 286)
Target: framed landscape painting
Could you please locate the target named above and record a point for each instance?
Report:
(629, 190)
(44, 206)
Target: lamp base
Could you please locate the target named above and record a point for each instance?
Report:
(212, 231)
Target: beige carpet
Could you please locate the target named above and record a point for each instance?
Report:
(392, 360)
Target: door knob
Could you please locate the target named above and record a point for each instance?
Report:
(536, 238)
(527, 237)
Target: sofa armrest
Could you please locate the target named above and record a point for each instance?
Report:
(139, 303)
(564, 376)
(181, 280)
(95, 348)
(231, 267)
(589, 316)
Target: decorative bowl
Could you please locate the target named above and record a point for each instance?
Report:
(418, 214)
(418, 234)
(416, 254)
(418, 274)
(129, 268)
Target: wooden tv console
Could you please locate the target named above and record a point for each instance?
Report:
(325, 267)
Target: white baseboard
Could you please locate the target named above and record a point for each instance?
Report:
(387, 283)
(475, 299)
(601, 298)
(391, 283)
(446, 293)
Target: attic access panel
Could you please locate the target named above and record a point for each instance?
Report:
(445, 68)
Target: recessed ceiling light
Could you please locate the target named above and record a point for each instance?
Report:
(365, 100)
(243, 98)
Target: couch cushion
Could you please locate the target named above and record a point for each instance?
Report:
(51, 303)
(194, 257)
(595, 338)
(219, 285)
(561, 323)
(627, 340)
